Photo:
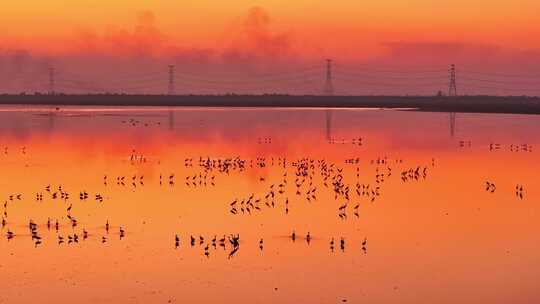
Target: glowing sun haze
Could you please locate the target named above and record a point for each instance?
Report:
(266, 35)
(354, 27)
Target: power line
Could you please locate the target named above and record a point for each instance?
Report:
(390, 70)
(504, 75)
(492, 81)
(371, 75)
(469, 85)
(353, 78)
(340, 78)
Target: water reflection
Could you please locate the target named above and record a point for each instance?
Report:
(171, 119)
(452, 124)
(261, 206)
(328, 125)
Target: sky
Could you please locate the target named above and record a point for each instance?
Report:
(208, 41)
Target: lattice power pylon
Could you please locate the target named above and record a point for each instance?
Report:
(452, 90)
(171, 88)
(51, 81)
(329, 86)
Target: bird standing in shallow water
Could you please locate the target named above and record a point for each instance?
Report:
(364, 245)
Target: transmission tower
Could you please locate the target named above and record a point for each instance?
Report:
(328, 87)
(51, 81)
(452, 91)
(171, 90)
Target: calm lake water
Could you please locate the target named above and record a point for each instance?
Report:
(421, 207)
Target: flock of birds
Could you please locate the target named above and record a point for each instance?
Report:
(136, 122)
(519, 189)
(497, 146)
(299, 180)
(232, 242)
(512, 147)
(71, 238)
(305, 170)
(355, 141)
(297, 176)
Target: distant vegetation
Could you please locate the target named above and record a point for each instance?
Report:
(476, 104)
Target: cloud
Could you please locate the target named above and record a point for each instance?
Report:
(251, 39)
(257, 29)
(439, 52)
(144, 39)
(20, 70)
(134, 59)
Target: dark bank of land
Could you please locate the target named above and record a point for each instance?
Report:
(471, 104)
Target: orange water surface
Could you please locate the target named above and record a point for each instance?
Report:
(438, 236)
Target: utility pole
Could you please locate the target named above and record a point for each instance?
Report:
(452, 90)
(51, 81)
(171, 90)
(328, 87)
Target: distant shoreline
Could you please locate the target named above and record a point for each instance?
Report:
(460, 104)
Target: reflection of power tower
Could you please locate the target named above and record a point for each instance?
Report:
(328, 125)
(452, 90)
(171, 80)
(171, 120)
(452, 124)
(50, 123)
(329, 87)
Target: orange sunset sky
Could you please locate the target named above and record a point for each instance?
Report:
(267, 35)
(53, 25)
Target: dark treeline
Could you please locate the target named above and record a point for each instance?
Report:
(472, 104)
